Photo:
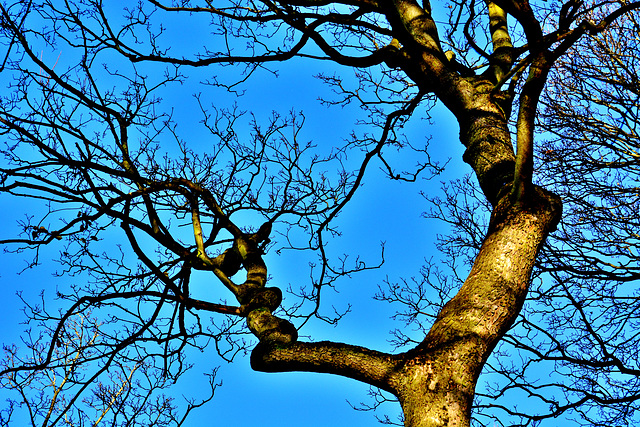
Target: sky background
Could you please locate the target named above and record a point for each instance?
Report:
(382, 210)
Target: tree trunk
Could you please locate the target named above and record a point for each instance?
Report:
(437, 382)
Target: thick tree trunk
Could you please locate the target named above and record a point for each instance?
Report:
(437, 382)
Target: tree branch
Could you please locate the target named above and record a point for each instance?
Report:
(359, 363)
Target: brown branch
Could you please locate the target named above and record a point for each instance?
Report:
(502, 57)
(369, 366)
(197, 231)
(523, 175)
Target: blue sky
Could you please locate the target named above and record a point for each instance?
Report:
(382, 210)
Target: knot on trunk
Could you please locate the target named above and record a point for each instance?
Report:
(230, 261)
(489, 151)
(269, 328)
(269, 298)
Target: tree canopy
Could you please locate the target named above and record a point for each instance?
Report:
(121, 139)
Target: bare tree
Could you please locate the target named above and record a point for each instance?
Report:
(89, 136)
(64, 392)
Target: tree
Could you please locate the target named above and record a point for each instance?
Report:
(91, 142)
(55, 394)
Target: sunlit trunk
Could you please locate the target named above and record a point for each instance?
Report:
(439, 376)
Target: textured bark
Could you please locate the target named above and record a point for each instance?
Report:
(483, 130)
(439, 378)
(369, 366)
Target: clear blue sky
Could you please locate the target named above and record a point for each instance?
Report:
(381, 211)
